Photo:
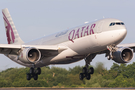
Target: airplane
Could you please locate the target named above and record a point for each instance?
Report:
(68, 46)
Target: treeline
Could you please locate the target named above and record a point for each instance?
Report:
(118, 76)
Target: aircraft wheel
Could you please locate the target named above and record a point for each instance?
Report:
(38, 71)
(88, 76)
(28, 76)
(84, 70)
(91, 70)
(31, 70)
(81, 76)
(35, 76)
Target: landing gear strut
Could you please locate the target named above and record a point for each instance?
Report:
(86, 71)
(33, 73)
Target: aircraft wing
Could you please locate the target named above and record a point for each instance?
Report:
(130, 45)
(44, 49)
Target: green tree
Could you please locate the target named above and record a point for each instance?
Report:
(75, 70)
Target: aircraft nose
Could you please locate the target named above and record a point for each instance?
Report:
(119, 35)
(124, 32)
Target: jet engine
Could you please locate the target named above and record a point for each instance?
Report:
(30, 55)
(123, 55)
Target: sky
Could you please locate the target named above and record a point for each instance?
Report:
(36, 18)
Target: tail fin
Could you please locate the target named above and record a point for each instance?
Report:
(11, 32)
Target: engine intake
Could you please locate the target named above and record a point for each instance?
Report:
(123, 55)
(30, 55)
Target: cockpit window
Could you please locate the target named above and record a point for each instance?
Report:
(116, 23)
(122, 23)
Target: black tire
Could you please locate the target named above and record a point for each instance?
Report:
(38, 70)
(31, 70)
(28, 76)
(81, 76)
(91, 70)
(84, 70)
(35, 76)
(88, 76)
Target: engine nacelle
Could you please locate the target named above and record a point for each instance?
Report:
(30, 55)
(123, 55)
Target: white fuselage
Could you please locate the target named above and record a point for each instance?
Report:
(80, 41)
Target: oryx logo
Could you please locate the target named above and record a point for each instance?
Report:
(9, 31)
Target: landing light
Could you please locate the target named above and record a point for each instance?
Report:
(86, 22)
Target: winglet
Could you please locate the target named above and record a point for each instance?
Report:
(11, 32)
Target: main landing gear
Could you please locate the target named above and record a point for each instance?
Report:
(34, 73)
(86, 71)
